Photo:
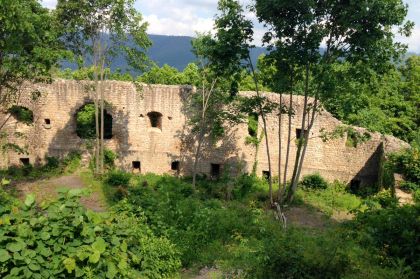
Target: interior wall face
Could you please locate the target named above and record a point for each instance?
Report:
(136, 140)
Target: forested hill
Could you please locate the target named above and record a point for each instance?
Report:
(176, 51)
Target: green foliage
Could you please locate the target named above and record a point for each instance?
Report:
(242, 240)
(386, 103)
(395, 232)
(353, 137)
(407, 162)
(109, 158)
(253, 125)
(86, 125)
(53, 167)
(314, 181)
(87, 73)
(332, 199)
(22, 114)
(385, 198)
(409, 186)
(29, 45)
(103, 28)
(118, 178)
(169, 75)
(65, 240)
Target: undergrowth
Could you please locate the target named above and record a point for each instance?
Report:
(53, 167)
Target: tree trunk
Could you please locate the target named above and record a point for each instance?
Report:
(95, 74)
(302, 135)
(289, 134)
(270, 180)
(280, 126)
(102, 109)
(311, 123)
(196, 158)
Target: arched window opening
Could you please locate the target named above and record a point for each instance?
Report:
(253, 124)
(22, 114)
(86, 125)
(155, 119)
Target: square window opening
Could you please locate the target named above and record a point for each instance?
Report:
(47, 121)
(136, 165)
(215, 170)
(266, 175)
(175, 166)
(24, 161)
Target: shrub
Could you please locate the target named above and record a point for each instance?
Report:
(385, 199)
(52, 162)
(65, 241)
(118, 178)
(314, 181)
(409, 186)
(22, 114)
(395, 232)
(109, 158)
(407, 163)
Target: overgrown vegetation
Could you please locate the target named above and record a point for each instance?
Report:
(63, 239)
(226, 224)
(53, 167)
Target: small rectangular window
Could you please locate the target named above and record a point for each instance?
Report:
(266, 175)
(175, 166)
(299, 133)
(24, 161)
(47, 121)
(136, 165)
(215, 170)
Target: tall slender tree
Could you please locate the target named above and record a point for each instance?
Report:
(351, 30)
(97, 31)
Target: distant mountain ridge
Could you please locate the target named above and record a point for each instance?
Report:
(176, 51)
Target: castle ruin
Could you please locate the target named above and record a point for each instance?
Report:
(150, 133)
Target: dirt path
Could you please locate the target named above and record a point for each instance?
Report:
(47, 190)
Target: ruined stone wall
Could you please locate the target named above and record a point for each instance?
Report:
(134, 140)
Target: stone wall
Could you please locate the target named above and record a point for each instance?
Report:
(134, 140)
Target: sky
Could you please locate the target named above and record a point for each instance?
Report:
(186, 17)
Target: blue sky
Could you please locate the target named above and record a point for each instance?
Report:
(186, 17)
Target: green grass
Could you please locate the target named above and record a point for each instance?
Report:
(333, 199)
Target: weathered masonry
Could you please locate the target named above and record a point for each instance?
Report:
(149, 132)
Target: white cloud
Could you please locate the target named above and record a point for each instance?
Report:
(185, 17)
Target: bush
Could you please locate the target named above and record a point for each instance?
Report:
(314, 181)
(407, 163)
(395, 232)
(52, 167)
(109, 158)
(65, 241)
(118, 178)
(385, 198)
(409, 186)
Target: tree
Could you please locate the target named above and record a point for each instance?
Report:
(99, 30)
(210, 107)
(29, 48)
(351, 30)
